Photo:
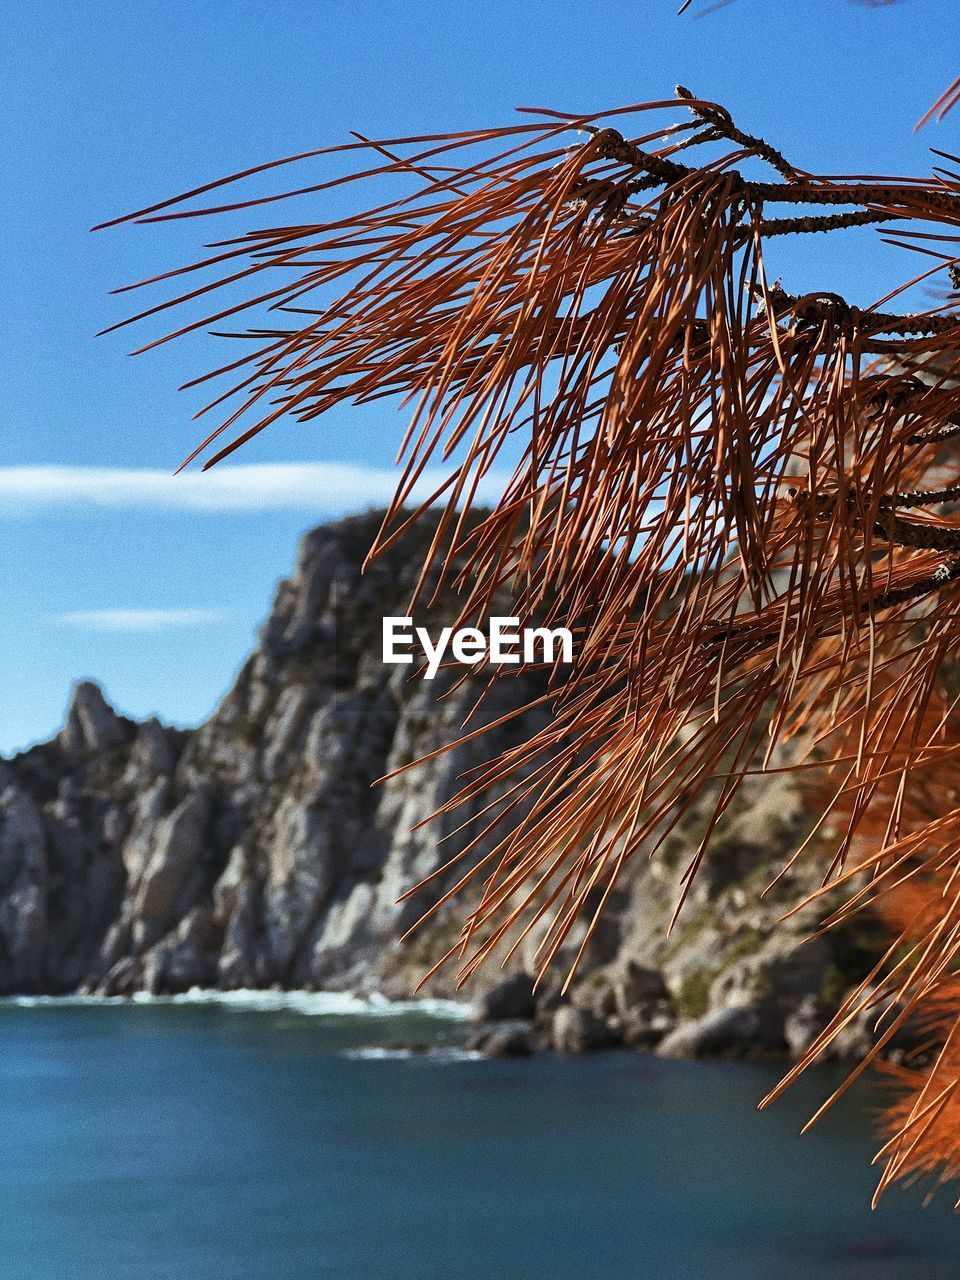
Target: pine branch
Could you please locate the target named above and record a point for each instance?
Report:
(834, 311)
(721, 123)
(611, 145)
(867, 608)
(765, 227)
(822, 222)
(936, 435)
(597, 306)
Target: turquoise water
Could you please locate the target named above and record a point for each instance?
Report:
(197, 1142)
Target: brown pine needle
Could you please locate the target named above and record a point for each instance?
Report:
(747, 519)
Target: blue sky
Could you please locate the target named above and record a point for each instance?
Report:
(108, 569)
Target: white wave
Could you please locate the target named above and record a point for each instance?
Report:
(375, 1053)
(315, 1004)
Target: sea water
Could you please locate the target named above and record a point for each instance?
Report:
(271, 1138)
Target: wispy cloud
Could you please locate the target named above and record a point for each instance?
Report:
(324, 488)
(138, 619)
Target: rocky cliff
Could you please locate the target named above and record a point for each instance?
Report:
(255, 851)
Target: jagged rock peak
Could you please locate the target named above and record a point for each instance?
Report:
(92, 724)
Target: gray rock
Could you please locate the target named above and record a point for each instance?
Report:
(173, 858)
(511, 998)
(856, 1039)
(647, 1024)
(502, 1042)
(804, 1024)
(24, 882)
(153, 752)
(596, 995)
(92, 725)
(576, 1030)
(740, 1031)
(639, 985)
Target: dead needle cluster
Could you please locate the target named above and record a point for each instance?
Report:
(741, 499)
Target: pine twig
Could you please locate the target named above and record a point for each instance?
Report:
(721, 121)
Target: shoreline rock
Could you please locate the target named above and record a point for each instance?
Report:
(256, 851)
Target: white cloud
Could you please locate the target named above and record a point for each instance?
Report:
(324, 488)
(138, 619)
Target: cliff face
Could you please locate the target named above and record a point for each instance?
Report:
(254, 851)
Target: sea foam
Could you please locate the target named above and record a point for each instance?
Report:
(316, 1004)
(387, 1053)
